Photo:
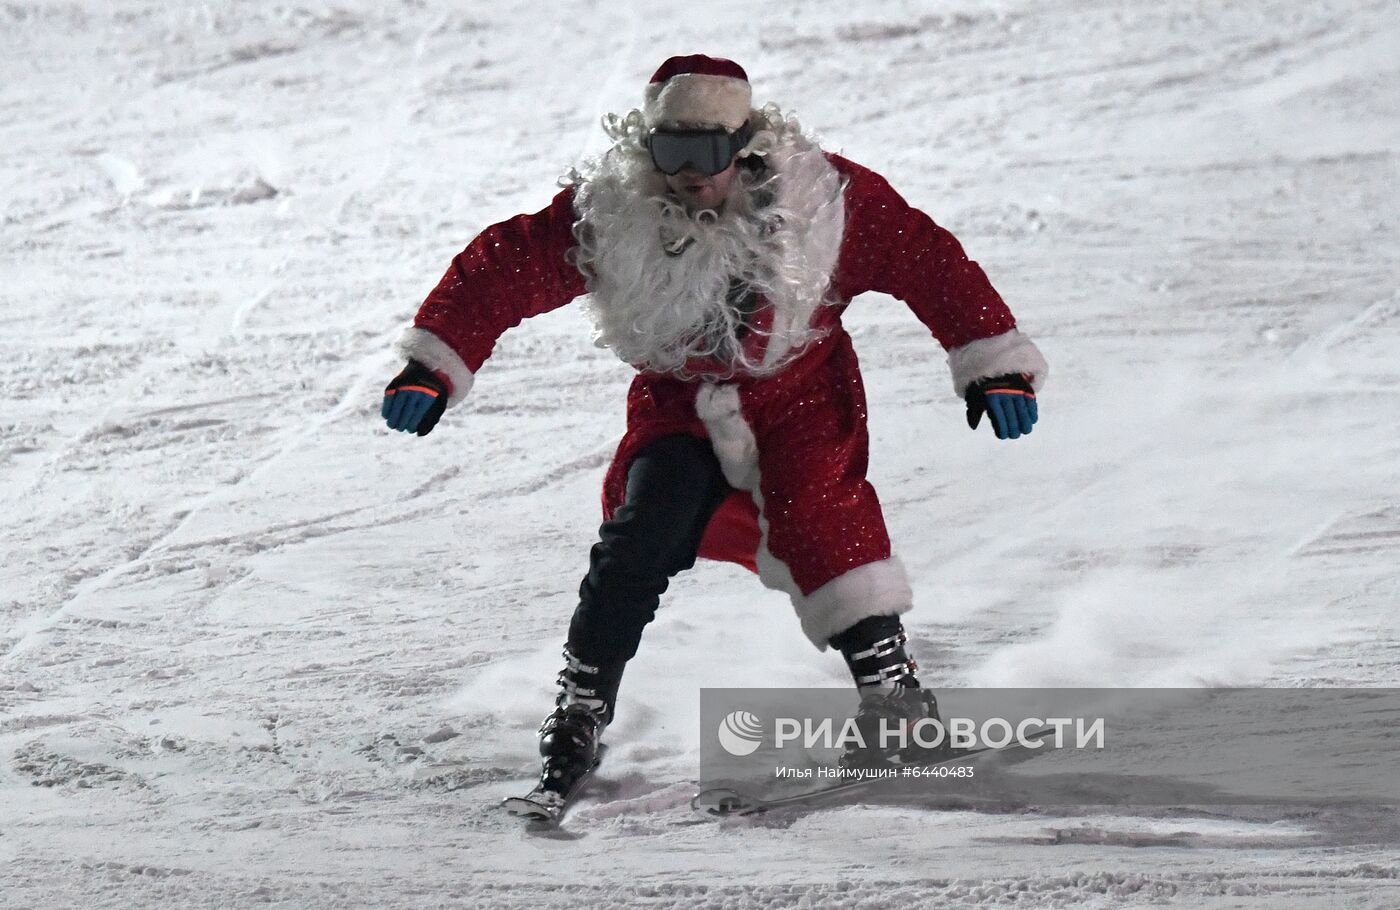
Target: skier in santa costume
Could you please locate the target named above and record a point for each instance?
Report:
(718, 246)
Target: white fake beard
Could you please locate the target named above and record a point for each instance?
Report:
(660, 277)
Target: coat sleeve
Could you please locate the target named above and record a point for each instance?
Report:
(891, 247)
(511, 271)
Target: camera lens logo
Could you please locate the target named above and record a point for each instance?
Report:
(740, 733)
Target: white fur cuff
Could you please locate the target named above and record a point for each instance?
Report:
(874, 589)
(1009, 352)
(435, 354)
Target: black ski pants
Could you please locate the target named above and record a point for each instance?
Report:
(674, 485)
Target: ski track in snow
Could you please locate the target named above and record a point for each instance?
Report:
(255, 648)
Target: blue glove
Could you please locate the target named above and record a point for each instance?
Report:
(1008, 401)
(415, 400)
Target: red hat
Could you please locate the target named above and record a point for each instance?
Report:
(696, 89)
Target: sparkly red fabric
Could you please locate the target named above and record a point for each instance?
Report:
(809, 421)
(511, 271)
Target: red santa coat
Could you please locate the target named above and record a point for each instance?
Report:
(793, 444)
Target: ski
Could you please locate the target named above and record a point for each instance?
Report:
(537, 805)
(724, 801)
(544, 804)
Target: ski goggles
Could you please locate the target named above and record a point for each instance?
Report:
(707, 151)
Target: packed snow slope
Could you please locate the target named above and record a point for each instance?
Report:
(256, 648)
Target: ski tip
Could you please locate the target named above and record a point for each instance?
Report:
(723, 801)
(530, 809)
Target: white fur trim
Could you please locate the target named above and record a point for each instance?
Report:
(696, 98)
(1009, 352)
(772, 571)
(734, 444)
(810, 188)
(718, 408)
(423, 346)
(874, 589)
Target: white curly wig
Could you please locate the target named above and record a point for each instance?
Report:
(662, 279)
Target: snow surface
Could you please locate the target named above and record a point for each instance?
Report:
(256, 648)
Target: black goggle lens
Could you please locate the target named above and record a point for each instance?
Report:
(707, 151)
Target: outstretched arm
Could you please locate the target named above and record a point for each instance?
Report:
(896, 249)
(511, 271)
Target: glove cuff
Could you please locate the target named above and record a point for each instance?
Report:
(417, 375)
(1009, 382)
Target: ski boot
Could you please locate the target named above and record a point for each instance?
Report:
(570, 737)
(893, 709)
(891, 698)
